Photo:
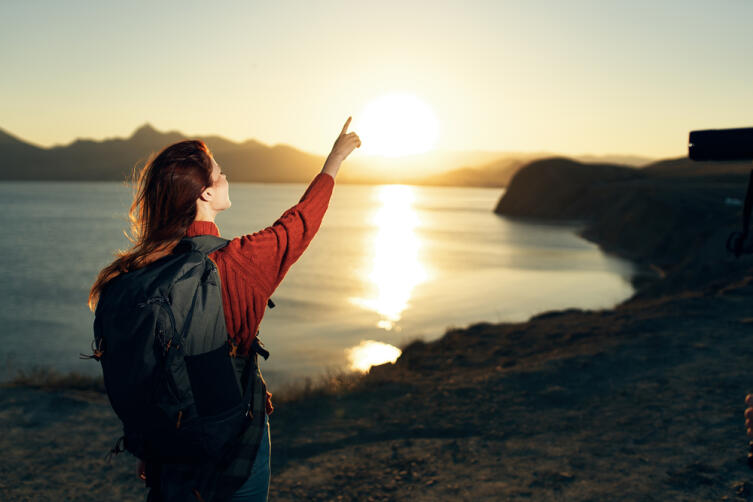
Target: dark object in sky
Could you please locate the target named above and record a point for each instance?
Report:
(721, 144)
(728, 144)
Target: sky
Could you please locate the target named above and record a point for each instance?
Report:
(576, 77)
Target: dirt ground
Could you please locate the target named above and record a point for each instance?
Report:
(642, 402)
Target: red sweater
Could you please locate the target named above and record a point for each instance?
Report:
(252, 266)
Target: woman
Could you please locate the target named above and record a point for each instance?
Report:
(179, 193)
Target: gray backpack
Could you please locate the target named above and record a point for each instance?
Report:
(160, 336)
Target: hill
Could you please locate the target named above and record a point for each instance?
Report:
(671, 217)
(495, 174)
(561, 188)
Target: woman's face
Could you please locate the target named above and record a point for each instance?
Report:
(220, 189)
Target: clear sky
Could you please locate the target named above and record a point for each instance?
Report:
(577, 76)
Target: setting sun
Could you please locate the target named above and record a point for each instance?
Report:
(398, 124)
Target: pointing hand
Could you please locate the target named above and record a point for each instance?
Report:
(345, 143)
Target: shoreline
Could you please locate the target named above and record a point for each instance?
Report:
(15, 372)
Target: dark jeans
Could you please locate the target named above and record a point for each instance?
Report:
(256, 487)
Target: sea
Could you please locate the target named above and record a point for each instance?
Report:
(390, 264)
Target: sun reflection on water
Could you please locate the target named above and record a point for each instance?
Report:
(395, 267)
(370, 353)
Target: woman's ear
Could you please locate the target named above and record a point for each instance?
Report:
(206, 195)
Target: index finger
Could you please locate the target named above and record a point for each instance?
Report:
(345, 127)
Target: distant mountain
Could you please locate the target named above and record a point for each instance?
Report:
(114, 159)
(496, 174)
(622, 160)
(250, 161)
(499, 172)
(431, 168)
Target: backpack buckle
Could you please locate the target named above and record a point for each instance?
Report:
(258, 347)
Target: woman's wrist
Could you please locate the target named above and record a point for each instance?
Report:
(331, 166)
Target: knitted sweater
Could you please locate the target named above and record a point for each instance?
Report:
(252, 266)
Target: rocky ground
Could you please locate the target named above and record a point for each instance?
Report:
(643, 402)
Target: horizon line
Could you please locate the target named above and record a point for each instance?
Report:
(365, 156)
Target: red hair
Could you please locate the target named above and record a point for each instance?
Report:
(164, 205)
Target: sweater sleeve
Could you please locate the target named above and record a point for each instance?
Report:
(273, 250)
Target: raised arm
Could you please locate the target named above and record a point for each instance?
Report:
(272, 251)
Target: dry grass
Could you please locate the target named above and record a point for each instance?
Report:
(330, 383)
(51, 379)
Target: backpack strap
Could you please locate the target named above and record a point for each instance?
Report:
(258, 347)
(248, 392)
(205, 244)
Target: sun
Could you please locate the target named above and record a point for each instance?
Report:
(397, 124)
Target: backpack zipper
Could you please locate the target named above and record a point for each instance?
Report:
(164, 304)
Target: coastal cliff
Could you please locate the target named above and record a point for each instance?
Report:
(673, 223)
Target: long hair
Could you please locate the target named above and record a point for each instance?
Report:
(164, 205)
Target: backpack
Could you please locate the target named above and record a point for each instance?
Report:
(161, 338)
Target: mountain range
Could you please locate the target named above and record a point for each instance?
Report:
(115, 159)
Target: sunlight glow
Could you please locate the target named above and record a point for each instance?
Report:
(370, 353)
(397, 124)
(396, 268)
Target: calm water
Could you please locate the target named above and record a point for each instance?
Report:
(390, 264)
